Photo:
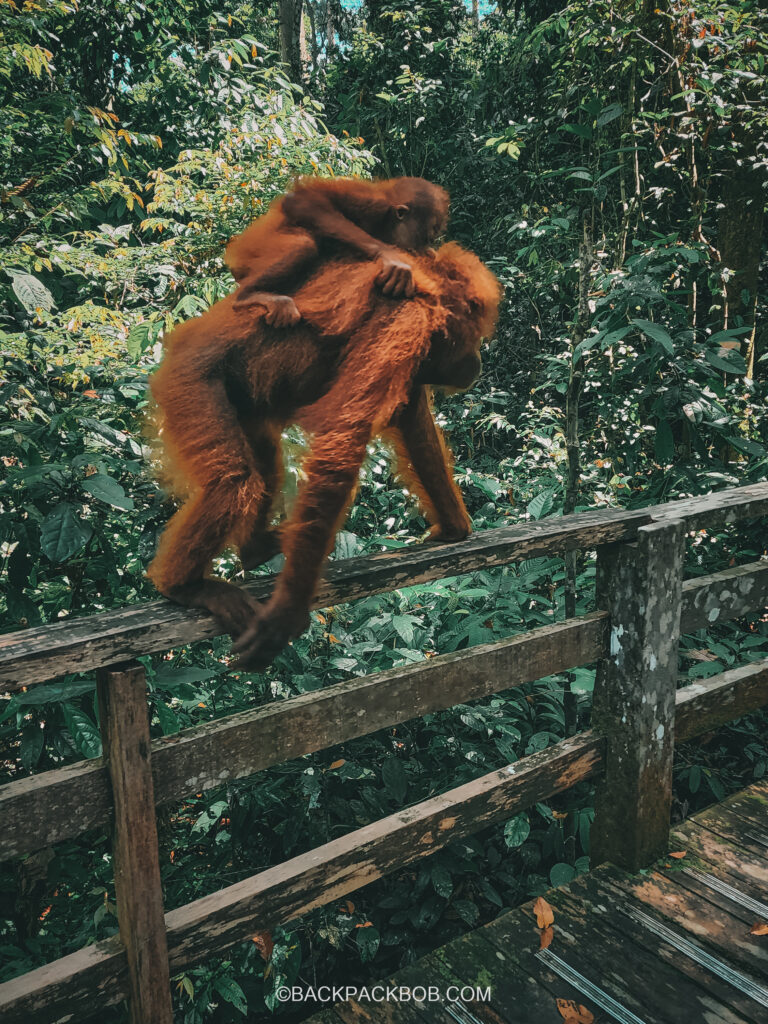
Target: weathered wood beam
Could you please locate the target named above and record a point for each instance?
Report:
(634, 698)
(78, 645)
(63, 803)
(124, 719)
(320, 876)
(725, 595)
(710, 703)
(215, 923)
(68, 988)
(66, 802)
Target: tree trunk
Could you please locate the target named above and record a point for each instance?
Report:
(740, 233)
(330, 31)
(290, 26)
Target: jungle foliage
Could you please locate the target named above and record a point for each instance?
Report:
(608, 160)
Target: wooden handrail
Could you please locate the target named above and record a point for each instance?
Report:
(65, 802)
(78, 645)
(215, 923)
(638, 711)
(39, 810)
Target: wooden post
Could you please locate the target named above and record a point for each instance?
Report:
(125, 737)
(634, 702)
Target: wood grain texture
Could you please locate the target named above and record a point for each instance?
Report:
(634, 699)
(124, 719)
(98, 976)
(66, 802)
(78, 645)
(724, 595)
(710, 703)
(68, 988)
(216, 922)
(239, 745)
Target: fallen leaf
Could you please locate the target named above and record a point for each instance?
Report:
(545, 915)
(336, 764)
(573, 1014)
(264, 944)
(701, 655)
(679, 854)
(759, 928)
(547, 934)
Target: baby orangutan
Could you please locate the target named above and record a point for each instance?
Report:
(326, 216)
(360, 363)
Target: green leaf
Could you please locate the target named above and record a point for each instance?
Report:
(733, 364)
(208, 818)
(231, 992)
(32, 737)
(30, 292)
(583, 680)
(586, 817)
(108, 490)
(168, 678)
(62, 534)
(609, 114)
(394, 778)
(743, 444)
(732, 332)
(368, 940)
(138, 340)
(542, 504)
(467, 911)
(403, 626)
(168, 720)
(53, 692)
(83, 731)
(657, 333)
(517, 830)
(441, 881)
(584, 131)
(561, 874)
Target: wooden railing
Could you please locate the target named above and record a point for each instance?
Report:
(638, 713)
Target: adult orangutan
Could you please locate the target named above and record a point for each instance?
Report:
(323, 217)
(360, 363)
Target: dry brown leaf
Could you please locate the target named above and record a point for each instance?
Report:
(336, 764)
(573, 1014)
(545, 915)
(545, 937)
(701, 655)
(678, 854)
(759, 928)
(264, 944)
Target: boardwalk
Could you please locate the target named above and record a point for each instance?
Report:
(643, 604)
(666, 946)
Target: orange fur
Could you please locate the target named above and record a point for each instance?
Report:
(358, 364)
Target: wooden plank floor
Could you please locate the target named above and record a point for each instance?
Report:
(672, 945)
